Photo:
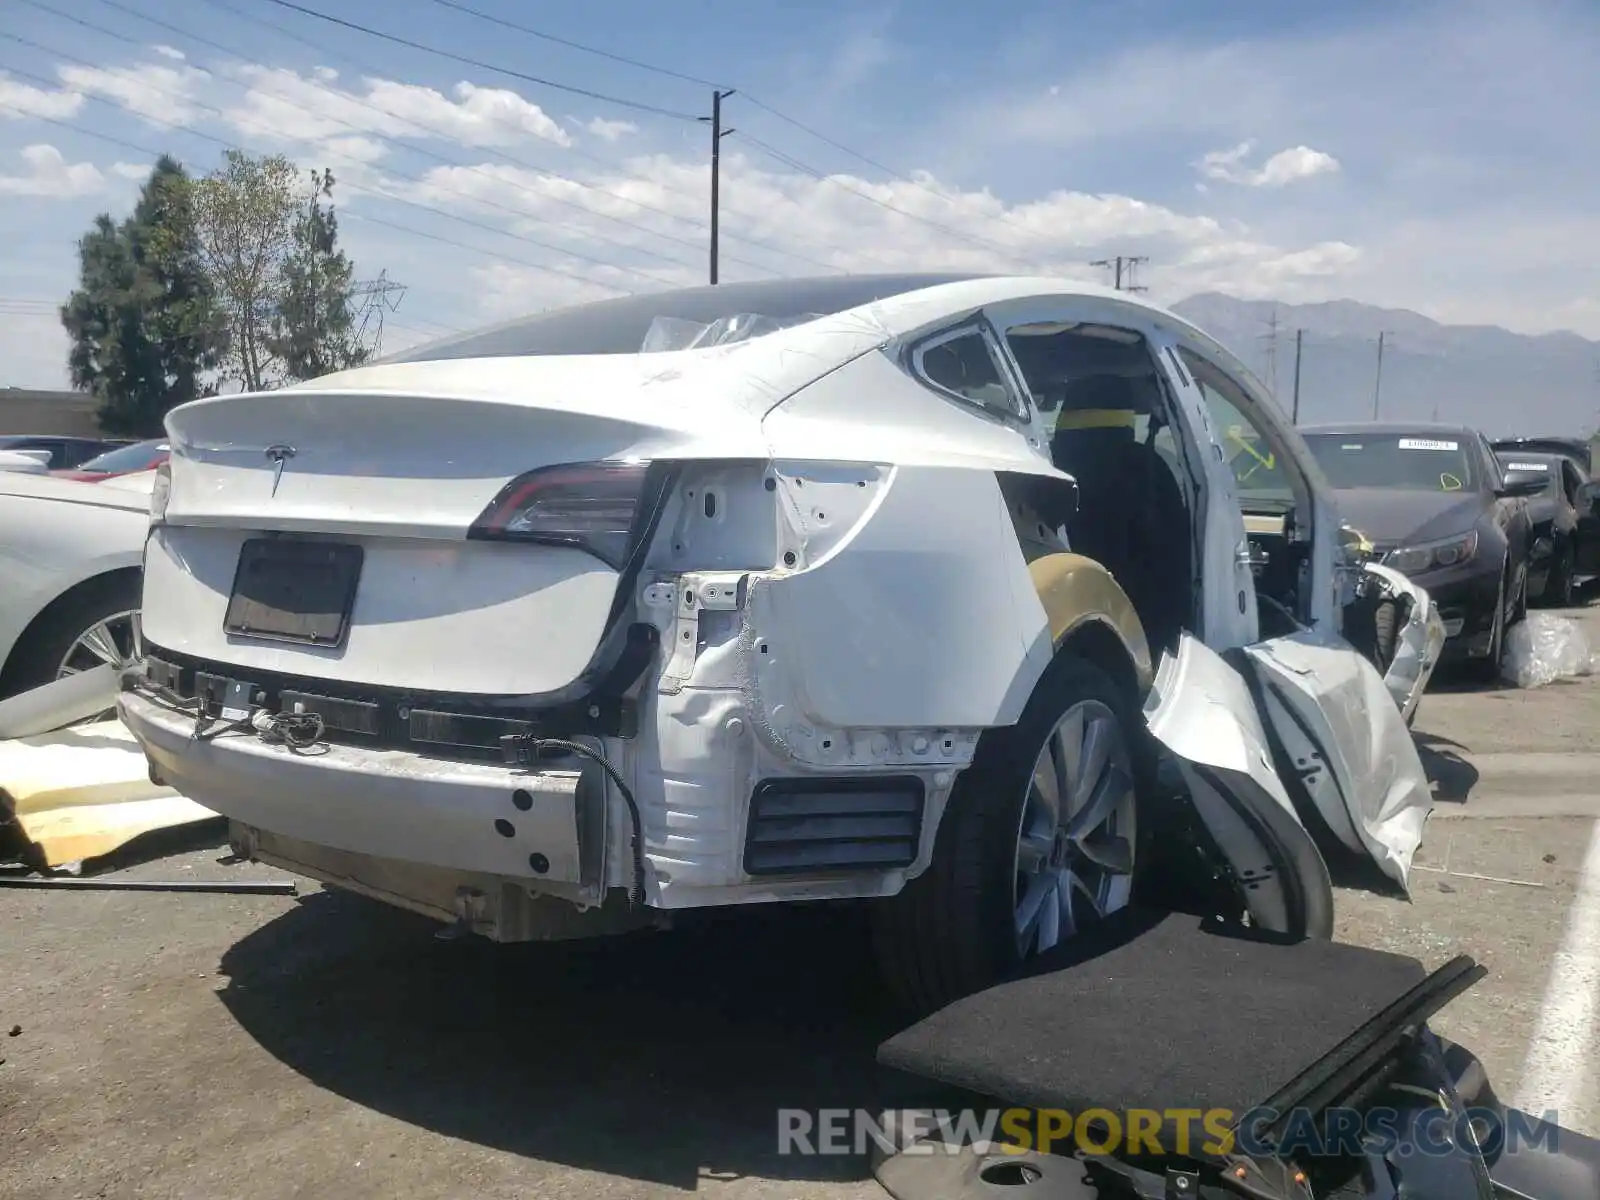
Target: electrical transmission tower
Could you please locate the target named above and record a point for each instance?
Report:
(1271, 338)
(377, 297)
(1121, 268)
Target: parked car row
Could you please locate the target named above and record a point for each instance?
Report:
(1440, 507)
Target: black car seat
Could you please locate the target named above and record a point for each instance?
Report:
(1131, 517)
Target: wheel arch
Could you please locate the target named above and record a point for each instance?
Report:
(101, 581)
(1091, 616)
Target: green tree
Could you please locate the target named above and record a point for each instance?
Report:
(143, 321)
(314, 331)
(246, 213)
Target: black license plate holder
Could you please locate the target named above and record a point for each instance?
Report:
(300, 592)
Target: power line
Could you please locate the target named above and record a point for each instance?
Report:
(572, 45)
(367, 67)
(428, 208)
(797, 165)
(349, 216)
(520, 214)
(667, 72)
(636, 105)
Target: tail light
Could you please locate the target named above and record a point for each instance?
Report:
(160, 492)
(591, 506)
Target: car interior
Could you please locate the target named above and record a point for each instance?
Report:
(1113, 434)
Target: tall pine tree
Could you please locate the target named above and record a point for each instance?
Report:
(143, 321)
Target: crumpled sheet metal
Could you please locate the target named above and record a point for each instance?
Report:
(1375, 794)
(84, 792)
(1420, 643)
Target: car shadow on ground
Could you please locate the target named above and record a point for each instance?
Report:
(1452, 775)
(662, 1057)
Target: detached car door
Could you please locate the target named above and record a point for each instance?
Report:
(1337, 740)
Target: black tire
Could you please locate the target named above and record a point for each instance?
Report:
(948, 933)
(1558, 584)
(1487, 668)
(39, 652)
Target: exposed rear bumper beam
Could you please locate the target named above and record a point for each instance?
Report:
(543, 828)
(493, 906)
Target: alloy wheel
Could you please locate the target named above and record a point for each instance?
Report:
(1075, 842)
(116, 640)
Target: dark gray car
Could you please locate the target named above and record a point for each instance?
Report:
(1439, 507)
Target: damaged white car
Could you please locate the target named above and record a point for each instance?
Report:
(935, 592)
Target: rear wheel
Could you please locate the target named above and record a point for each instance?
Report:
(1558, 584)
(1040, 839)
(96, 624)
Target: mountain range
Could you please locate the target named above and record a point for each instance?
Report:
(1505, 383)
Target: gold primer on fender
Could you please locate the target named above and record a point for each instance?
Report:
(1074, 589)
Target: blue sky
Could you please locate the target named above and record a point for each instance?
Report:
(1431, 156)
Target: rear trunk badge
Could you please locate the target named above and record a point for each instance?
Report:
(278, 454)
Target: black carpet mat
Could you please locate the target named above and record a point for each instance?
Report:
(1155, 1011)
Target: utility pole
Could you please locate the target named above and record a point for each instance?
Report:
(1377, 383)
(717, 134)
(1299, 336)
(1122, 266)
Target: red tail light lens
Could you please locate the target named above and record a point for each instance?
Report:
(592, 506)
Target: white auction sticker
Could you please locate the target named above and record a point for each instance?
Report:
(1527, 466)
(1427, 444)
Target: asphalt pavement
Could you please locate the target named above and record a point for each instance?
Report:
(323, 1045)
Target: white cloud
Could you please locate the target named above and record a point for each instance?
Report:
(171, 52)
(284, 106)
(919, 225)
(20, 100)
(138, 172)
(1284, 167)
(163, 96)
(50, 174)
(610, 130)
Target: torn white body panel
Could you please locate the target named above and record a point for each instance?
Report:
(1420, 643)
(1335, 716)
(923, 614)
(1201, 710)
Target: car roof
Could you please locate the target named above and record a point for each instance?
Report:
(619, 325)
(11, 439)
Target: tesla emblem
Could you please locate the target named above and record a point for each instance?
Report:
(278, 455)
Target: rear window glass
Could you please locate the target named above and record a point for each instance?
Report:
(137, 457)
(623, 325)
